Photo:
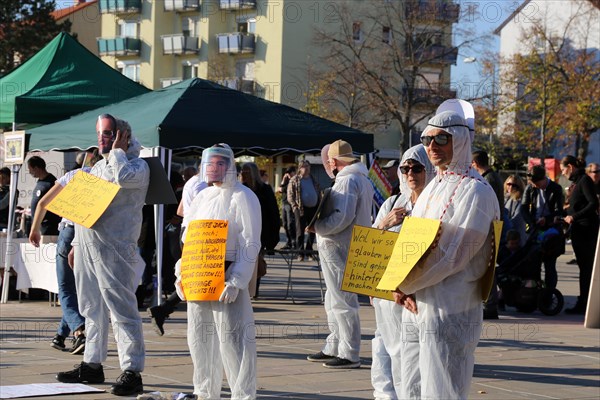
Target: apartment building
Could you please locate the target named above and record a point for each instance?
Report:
(262, 47)
(85, 22)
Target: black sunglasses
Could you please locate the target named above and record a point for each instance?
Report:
(417, 169)
(440, 140)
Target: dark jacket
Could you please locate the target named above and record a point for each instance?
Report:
(269, 235)
(583, 206)
(554, 204)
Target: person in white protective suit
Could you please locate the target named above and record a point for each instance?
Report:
(221, 334)
(414, 173)
(351, 201)
(108, 266)
(446, 283)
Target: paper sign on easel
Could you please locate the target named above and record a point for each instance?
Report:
(488, 279)
(203, 260)
(84, 199)
(368, 256)
(415, 238)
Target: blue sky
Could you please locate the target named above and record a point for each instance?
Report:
(482, 17)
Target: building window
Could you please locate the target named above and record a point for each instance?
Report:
(247, 25)
(189, 70)
(356, 32)
(130, 69)
(189, 26)
(129, 29)
(386, 35)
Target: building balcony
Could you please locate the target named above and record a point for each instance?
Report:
(433, 10)
(237, 4)
(165, 82)
(179, 44)
(120, 6)
(247, 86)
(429, 96)
(121, 46)
(182, 5)
(236, 43)
(435, 54)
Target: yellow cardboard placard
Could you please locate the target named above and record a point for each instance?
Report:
(488, 279)
(84, 199)
(203, 260)
(368, 256)
(415, 238)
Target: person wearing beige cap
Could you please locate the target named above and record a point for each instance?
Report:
(351, 199)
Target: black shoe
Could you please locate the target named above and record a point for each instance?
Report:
(489, 314)
(320, 357)
(572, 261)
(78, 344)
(287, 246)
(58, 342)
(157, 319)
(129, 382)
(341, 363)
(82, 373)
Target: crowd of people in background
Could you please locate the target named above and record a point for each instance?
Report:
(536, 210)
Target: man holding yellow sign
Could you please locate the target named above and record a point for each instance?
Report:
(222, 326)
(447, 281)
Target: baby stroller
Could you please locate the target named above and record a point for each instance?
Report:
(519, 277)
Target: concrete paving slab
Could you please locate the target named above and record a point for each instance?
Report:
(520, 356)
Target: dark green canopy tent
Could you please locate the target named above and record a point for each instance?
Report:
(196, 114)
(61, 80)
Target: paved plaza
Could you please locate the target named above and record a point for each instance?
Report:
(520, 356)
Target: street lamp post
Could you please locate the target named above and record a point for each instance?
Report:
(471, 60)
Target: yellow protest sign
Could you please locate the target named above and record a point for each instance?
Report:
(368, 256)
(415, 238)
(84, 199)
(203, 260)
(488, 279)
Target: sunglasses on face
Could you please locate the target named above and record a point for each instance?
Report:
(416, 169)
(107, 133)
(441, 139)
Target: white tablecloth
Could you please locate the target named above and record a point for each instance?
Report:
(35, 266)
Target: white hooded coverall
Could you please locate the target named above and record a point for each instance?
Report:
(223, 335)
(108, 266)
(386, 345)
(351, 200)
(447, 283)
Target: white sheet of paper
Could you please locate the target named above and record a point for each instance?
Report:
(45, 389)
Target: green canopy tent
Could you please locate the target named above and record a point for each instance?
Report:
(61, 80)
(196, 113)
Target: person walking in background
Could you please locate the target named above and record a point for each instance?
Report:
(304, 195)
(593, 171)
(481, 163)
(109, 265)
(5, 196)
(45, 181)
(351, 199)
(287, 215)
(513, 215)
(270, 223)
(542, 208)
(414, 173)
(71, 321)
(391, 173)
(582, 217)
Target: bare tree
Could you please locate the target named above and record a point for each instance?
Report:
(389, 62)
(553, 90)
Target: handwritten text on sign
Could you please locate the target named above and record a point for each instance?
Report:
(84, 199)
(415, 238)
(203, 260)
(369, 254)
